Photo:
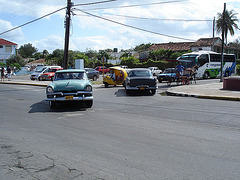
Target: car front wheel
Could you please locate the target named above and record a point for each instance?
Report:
(153, 91)
(89, 104)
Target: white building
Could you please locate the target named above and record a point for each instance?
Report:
(7, 49)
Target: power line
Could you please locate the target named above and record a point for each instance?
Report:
(93, 3)
(136, 5)
(158, 19)
(32, 21)
(133, 27)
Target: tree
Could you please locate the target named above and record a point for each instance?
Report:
(15, 59)
(45, 53)
(56, 58)
(27, 50)
(230, 23)
(142, 47)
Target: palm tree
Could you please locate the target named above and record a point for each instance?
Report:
(230, 23)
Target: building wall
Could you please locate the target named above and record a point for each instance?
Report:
(6, 51)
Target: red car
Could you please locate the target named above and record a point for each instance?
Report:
(49, 74)
(102, 68)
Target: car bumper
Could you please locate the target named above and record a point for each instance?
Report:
(69, 96)
(140, 88)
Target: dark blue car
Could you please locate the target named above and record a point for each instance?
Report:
(168, 73)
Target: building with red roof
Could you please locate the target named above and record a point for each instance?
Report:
(7, 49)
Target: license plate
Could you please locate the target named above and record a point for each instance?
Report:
(68, 97)
(142, 88)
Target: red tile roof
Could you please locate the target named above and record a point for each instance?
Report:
(181, 46)
(5, 42)
(184, 46)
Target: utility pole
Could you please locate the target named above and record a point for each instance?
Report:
(67, 28)
(223, 32)
(213, 33)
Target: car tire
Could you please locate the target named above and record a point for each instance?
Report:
(89, 104)
(153, 91)
(94, 78)
(52, 104)
(40, 78)
(106, 85)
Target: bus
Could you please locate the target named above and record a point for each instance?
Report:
(209, 63)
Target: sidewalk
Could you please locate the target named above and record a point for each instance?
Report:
(207, 91)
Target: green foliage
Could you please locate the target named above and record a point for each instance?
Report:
(160, 54)
(16, 65)
(27, 50)
(160, 64)
(238, 69)
(129, 61)
(2, 64)
(102, 54)
(142, 47)
(15, 59)
(56, 58)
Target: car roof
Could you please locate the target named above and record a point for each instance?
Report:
(70, 70)
(137, 69)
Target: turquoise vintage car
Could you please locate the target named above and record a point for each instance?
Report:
(70, 85)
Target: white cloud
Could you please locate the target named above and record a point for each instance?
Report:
(14, 36)
(91, 32)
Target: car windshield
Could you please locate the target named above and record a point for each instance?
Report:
(70, 75)
(169, 71)
(52, 70)
(41, 69)
(139, 73)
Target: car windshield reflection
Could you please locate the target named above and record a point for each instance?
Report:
(70, 75)
(139, 73)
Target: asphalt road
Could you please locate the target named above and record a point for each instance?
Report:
(121, 137)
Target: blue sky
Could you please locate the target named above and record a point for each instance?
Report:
(88, 32)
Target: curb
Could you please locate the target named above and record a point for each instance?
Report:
(203, 96)
(22, 83)
(32, 84)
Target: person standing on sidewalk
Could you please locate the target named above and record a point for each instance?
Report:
(9, 71)
(2, 74)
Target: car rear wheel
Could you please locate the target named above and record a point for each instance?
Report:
(106, 85)
(89, 104)
(94, 78)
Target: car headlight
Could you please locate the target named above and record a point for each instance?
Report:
(89, 88)
(49, 90)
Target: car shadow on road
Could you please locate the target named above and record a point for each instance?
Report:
(122, 93)
(43, 107)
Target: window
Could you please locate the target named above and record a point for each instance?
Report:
(203, 59)
(8, 48)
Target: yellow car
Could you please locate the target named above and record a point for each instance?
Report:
(117, 76)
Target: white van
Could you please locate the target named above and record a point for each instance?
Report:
(36, 74)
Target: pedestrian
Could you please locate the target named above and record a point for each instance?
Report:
(9, 71)
(179, 69)
(2, 74)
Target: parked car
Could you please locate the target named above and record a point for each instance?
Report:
(140, 79)
(168, 73)
(102, 69)
(155, 70)
(70, 85)
(48, 74)
(92, 73)
(39, 71)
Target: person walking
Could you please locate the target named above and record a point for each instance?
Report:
(9, 71)
(2, 74)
